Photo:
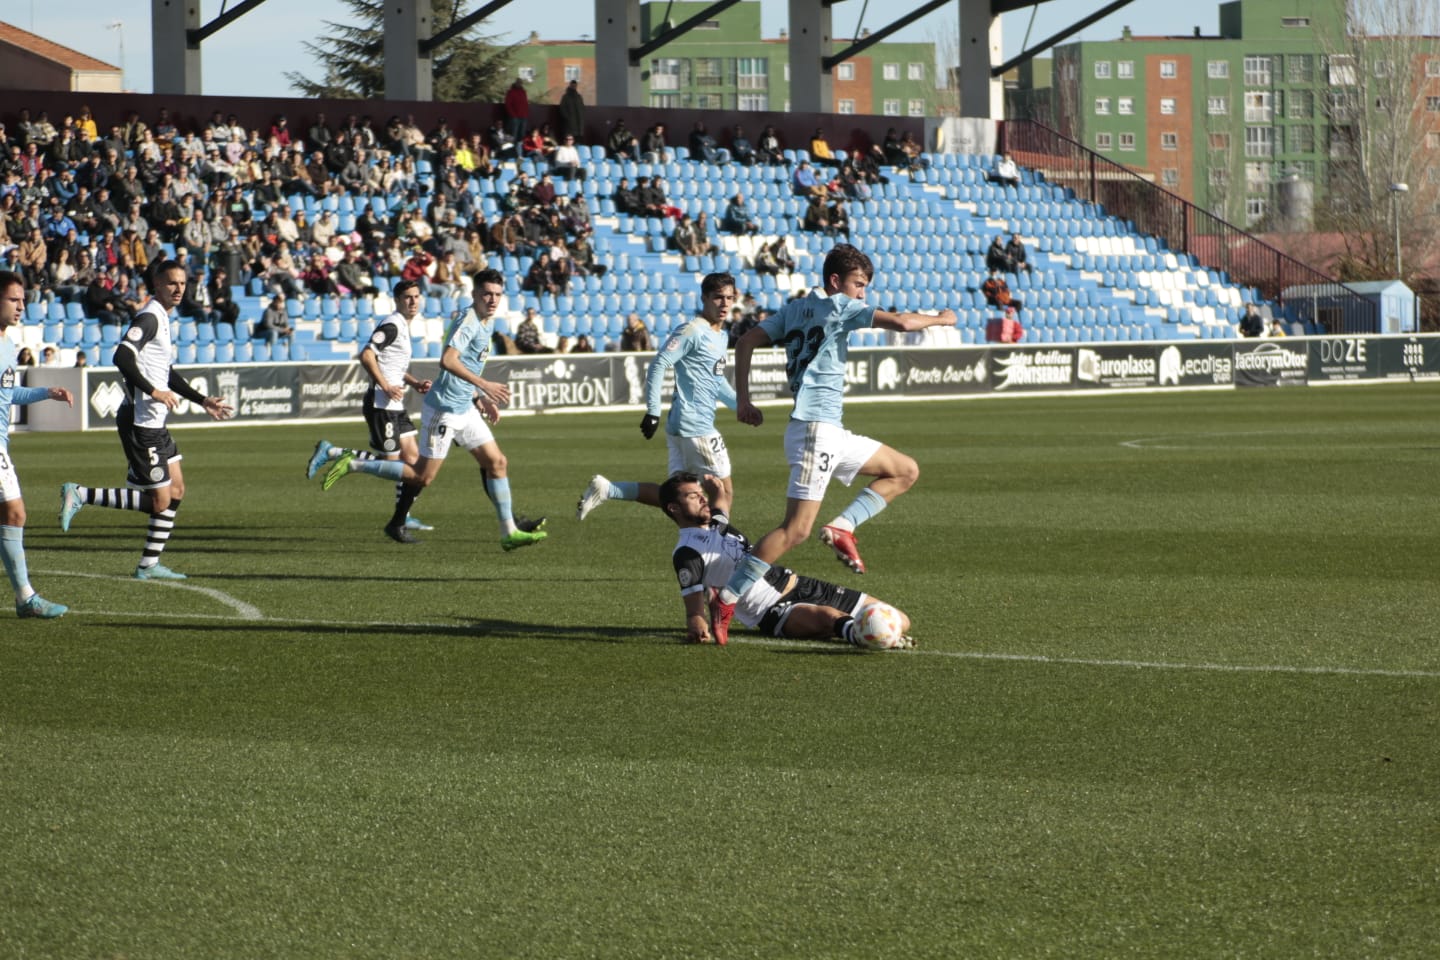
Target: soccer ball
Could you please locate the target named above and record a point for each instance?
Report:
(878, 626)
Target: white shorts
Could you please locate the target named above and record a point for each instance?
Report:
(699, 455)
(818, 451)
(438, 430)
(9, 479)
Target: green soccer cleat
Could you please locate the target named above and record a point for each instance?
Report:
(528, 525)
(318, 458)
(70, 504)
(38, 608)
(522, 538)
(338, 470)
(158, 571)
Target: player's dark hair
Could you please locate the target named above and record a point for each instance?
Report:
(404, 286)
(670, 489)
(492, 276)
(159, 267)
(715, 281)
(7, 279)
(845, 259)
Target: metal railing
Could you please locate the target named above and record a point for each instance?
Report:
(1299, 290)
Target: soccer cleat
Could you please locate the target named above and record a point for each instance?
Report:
(70, 504)
(522, 538)
(846, 549)
(721, 613)
(336, 471)
(158, 571)
(415, 523)
(318, 458)
(37, 607)
(595, 494)
(400, 533)
(528, 525)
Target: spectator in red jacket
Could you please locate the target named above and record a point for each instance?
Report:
(517, 110)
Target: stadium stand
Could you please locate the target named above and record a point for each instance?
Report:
(276, 224)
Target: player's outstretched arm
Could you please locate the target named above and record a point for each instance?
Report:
(910, 322)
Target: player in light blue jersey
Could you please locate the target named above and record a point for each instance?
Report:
(697, 353)
(815, 332)
(28, 603)
(455, 413)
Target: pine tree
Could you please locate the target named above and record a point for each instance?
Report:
(467, 68)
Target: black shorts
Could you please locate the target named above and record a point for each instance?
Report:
(149, 451)
(812, 591)
(386, 426)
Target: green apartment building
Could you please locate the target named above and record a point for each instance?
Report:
(725, 64)
(1280, 94)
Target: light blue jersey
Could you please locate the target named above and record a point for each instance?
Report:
(10, 390)
(697, 352)
(470, 336)
(815, 332)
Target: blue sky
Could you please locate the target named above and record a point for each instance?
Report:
(251, 56)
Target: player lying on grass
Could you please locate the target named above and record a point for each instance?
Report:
(697, 353)
(781, 603)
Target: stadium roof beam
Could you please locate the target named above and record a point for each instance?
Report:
(1052, 40)
(877, 36)
(460, 26)
(638, 54)
(175, 38)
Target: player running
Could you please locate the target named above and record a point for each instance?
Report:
(156, 484)
(697, 353)
(780, 603)
(454, 414)
(815, 332)
(28, 603)
(386, 358)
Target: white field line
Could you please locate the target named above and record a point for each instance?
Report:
(243, 610)
(260, 619)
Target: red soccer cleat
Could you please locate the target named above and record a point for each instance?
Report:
(847, 551)
(721, 614)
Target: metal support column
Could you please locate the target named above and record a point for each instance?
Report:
(175, 61)
(408, 72)
(981, 95)
(811, 90)
(618, 82)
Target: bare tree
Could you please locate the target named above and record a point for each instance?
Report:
(1375, 110)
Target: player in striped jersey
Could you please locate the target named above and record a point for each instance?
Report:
(455, 414)
(156, 484)
(28, 603)
(696, 352)
(781, 603)
(386, 358)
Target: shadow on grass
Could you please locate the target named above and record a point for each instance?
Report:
(658, 636)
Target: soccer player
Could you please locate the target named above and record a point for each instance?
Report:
(386, 358)
(815, 332)
(28, 603)
(697, 352)
(156, 485)
(780, 603)
(454, 414)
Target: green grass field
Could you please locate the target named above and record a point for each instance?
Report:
(1178, 695)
